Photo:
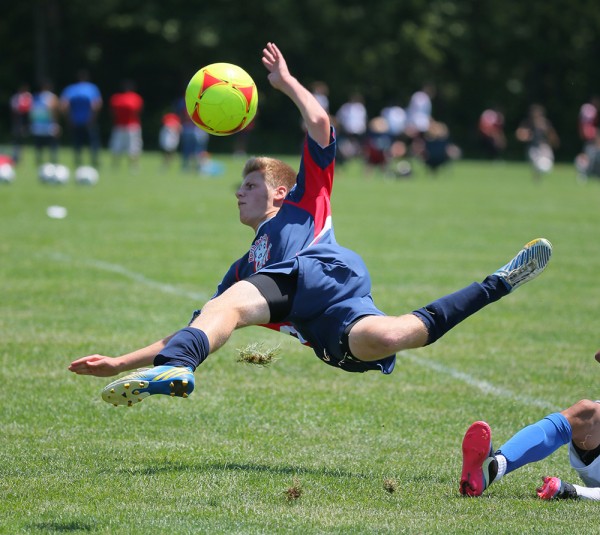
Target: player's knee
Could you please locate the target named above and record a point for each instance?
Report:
(585, 408)
(382, 343)
(583, 415)
(217, 308)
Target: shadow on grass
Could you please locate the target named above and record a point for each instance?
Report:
(168, 466)
(62, 527)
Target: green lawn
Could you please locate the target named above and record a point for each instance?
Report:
(138, 252)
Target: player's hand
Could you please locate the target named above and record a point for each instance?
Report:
(275, 63)
(598, 355)
(97, 365)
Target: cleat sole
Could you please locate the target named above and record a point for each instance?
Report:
(131, 392)
(476, 447)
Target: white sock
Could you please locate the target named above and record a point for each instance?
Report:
(588, 493)
(501, 466)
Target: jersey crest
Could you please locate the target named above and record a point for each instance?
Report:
(260, 252)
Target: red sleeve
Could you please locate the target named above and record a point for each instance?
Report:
(315, 182)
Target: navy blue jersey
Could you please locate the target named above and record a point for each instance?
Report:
(334, 286)
(302, 221)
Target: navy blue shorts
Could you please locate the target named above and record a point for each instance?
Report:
(332, 291)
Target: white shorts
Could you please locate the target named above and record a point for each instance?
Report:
(541, 157)
(168, 139)
(590, 474)
(126, 140)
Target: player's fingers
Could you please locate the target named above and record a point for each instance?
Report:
(89, 358)
(268, 55)
(275, 49)
(82, 365)
(79, 361)
(80, 369)
(268, 64)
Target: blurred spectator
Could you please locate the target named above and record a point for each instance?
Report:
(587, 163)
(397, 165)
(7, 169)
(540, 138)
(169, 136)
(378, 144)
(43, 119)
(491, 133)
(126, 136)
(438, 149)
(81, 102)
(320, 91)
(351, 120)
(588, 119)
(395, 117)
(418, 112)
(418, 118)
(194, 140)
(20, 105)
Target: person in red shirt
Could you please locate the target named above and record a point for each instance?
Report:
(126, 137)
(169, 136)
(588, 120)
(20, 104)
(491, 133)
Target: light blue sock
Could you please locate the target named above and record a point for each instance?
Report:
(535, 442)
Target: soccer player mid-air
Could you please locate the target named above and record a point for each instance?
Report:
(296, 278)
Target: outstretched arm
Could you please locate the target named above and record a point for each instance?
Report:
(315, 117)
(103, 366)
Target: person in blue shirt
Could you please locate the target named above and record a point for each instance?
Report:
(80, 103)
(577, 426)
(296, 278)
(43, 120)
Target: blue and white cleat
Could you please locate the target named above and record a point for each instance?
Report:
(133, 388)
(527, 265)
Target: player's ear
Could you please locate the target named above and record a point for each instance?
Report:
(281, 192)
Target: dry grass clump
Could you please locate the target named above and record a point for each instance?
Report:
(257, 354)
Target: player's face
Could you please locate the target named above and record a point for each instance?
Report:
(255, 200)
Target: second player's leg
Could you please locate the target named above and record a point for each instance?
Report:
(584, 417)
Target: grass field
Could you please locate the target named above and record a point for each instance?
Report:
(137, 253)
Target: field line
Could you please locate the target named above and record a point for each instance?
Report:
(133, 275)
(483, 386)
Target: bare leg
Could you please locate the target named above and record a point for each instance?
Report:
(584, 418)
(239, 306)
(376, 337)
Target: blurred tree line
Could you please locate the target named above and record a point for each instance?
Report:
(478, 53)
